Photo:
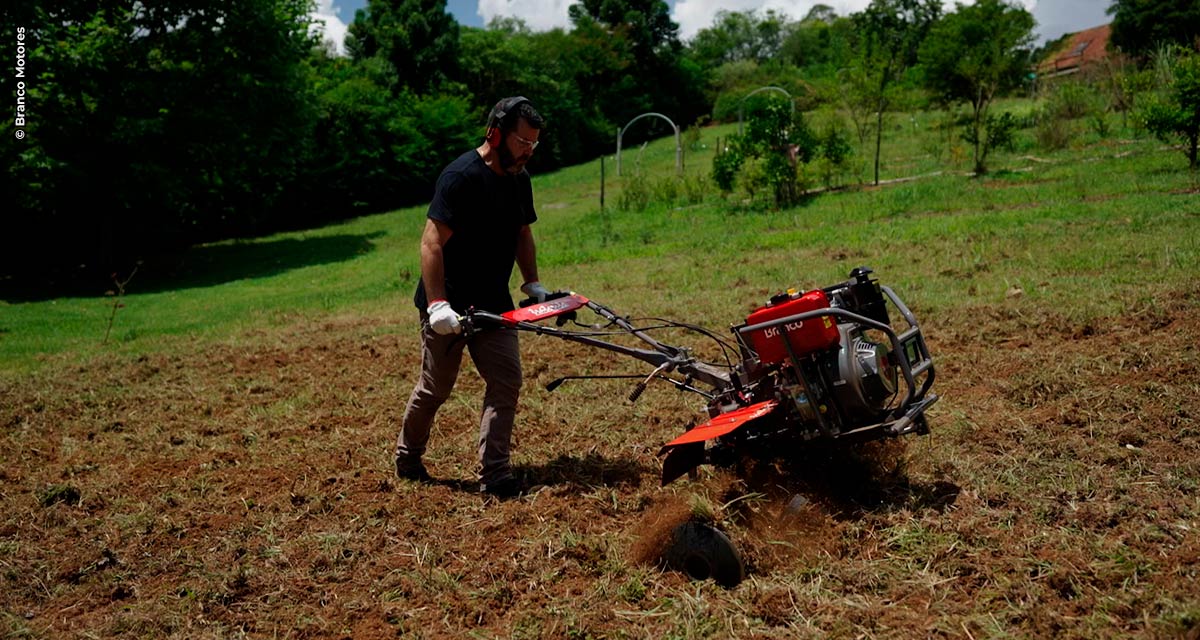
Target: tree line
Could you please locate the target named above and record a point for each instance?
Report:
(154, 126)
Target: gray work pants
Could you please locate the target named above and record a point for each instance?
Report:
(497, 356)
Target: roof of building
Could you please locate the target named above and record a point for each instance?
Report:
(1078, 50)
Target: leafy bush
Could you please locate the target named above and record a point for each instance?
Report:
(727, 163)
(998, 132)
(834, 149)
(778, 140)
(1174, 114)
(666, 190)
(1053, 134)
(1073, 100)
(695, 188)
(641, 191)
(636, 194)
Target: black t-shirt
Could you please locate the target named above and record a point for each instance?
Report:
(485, 211)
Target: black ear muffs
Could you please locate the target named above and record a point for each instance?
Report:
(501, 111)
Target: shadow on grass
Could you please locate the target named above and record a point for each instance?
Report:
(197, 267)
(583, 472)
(586, 472)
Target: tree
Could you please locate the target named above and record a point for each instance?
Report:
(373, 149)
(657, 76)
(647, 23)
(820, 13)
(1176, 116)
(739, 35)
(974, 54)
(1139, 27)
(891, 33)
(157, 125)
(817, 45)
(418, 37)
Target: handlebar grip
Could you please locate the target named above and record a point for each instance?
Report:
(552, 296)
(637, 391)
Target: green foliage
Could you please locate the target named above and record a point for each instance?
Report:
(834, 153)
(1071, 100)
(820, 44)
(1000, 131)
(418, 38)
(154, 129)
(726, 164)
(1139, 27)
(1174, 114)
(188, 124)
(973, 55)
(733, 82)
(890, 33)
(1051, 133)
(158, 129)
(640, 191)
(655, 74)
(767, 156)
(978, 51)
(1067, 102)
(739, 35)
(636, 194)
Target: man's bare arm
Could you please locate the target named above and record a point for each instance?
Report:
(433, 271)
(527, 254)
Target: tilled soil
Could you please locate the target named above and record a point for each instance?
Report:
(248, 489)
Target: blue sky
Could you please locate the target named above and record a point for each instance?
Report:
(1054, 17)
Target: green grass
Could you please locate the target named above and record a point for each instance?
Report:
(1090, 230)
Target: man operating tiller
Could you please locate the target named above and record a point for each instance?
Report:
(477, 227)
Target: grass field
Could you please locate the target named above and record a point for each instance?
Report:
(220, 467)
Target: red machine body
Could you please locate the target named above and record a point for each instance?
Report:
(805, 336)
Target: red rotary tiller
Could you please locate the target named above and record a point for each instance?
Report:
(823, 365)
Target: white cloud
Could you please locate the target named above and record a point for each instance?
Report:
(333, 29)
(539, 15)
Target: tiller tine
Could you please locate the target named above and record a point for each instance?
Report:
(687, 451)
(681, 460)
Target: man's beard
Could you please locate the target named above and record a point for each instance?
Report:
(508, 162)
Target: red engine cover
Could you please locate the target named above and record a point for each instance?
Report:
(805, 336)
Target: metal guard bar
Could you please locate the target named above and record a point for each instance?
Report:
(906, 367)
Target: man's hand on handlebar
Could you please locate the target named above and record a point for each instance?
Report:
(535, 290)
(443, 319)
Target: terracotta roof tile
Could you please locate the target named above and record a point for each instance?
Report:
(1081, 49)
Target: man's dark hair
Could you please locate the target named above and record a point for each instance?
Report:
(509, 111)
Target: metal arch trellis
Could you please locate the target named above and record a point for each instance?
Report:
(674, 127)
(759, 90)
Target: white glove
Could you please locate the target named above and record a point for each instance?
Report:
(535, 290)
(443, 319)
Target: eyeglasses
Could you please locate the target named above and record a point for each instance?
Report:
(528, 144)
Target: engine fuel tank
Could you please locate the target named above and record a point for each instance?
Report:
(805, 336)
